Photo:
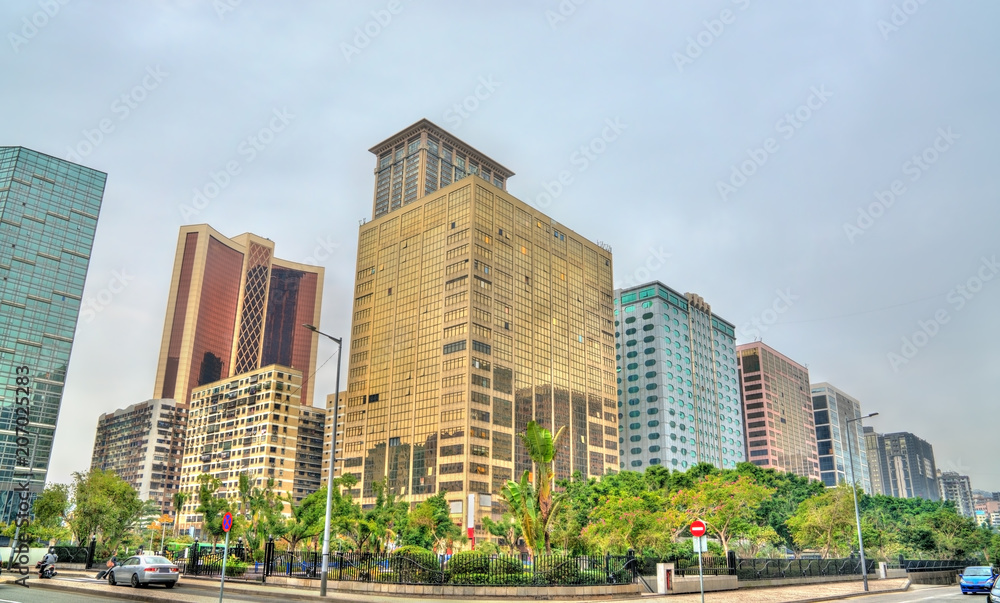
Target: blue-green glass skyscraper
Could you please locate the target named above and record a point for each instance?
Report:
(678, 394)
(48, 217)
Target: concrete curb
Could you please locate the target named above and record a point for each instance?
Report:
(902, 589)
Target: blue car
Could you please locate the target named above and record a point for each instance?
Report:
(977, 579)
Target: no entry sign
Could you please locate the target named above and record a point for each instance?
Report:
(698, 528)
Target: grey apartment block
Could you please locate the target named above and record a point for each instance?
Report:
(901, 465)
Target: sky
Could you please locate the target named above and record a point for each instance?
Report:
(821, 173)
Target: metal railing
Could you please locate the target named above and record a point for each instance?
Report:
(768, 569)
(480, 570)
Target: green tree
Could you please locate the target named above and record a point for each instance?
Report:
(50, 510)
(538, 505)
(211, 507)
(789, 492)
(645, 524)
(508, 530)
(103, 505)
(430, 525)
(726, 502)
(306, 522)
(825, 522)
(180, 499)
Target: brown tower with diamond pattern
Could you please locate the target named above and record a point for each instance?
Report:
(233, 308)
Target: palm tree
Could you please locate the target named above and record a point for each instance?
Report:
(179, 499)
(534, 504)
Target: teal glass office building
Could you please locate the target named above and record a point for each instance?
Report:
(678, 390)
(48, 217)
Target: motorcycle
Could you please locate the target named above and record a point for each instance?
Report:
(45, 570)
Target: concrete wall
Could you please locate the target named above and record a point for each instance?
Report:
(690, 584)
(462, 592)
(948, 577)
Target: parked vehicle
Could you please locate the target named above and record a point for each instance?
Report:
(143, 570)
(977, 579)
(994, 596)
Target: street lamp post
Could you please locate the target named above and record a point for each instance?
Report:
(329, 480)
(854, 491)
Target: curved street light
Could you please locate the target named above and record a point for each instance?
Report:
(854, 491)
(329, 479)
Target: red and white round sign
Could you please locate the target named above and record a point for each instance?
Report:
(698, 528)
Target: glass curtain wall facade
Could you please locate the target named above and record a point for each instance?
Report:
(234, 307)
(678, 394)
(48, 218)
(831, 410)
(420, 160)
(778, 408)
(473, 315)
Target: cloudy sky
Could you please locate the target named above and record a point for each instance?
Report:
(821, 174)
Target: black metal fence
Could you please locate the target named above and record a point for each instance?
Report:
(768, 569)
(501, 570)
(389, 568)
(931, 565)
(73, 554)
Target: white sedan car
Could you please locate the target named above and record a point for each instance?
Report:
(143, 570)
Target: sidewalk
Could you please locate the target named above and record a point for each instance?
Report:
(199, 591)
(790, 594)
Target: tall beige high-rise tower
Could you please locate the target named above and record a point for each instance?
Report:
(474, 313)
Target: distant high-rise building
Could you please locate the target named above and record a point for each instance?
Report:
(474, 313)
(332, 437)
(905, 464)
(233, 308)
(778, 410)
(308, 452)
(48, 217)
(958, 489)
(143, 445)
(878, 468)
(831, 410)
(678, 393)
(252, 424)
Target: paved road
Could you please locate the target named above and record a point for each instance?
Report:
(12, 593)
(923, 594)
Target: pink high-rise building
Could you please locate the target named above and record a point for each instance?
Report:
(778, 409)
